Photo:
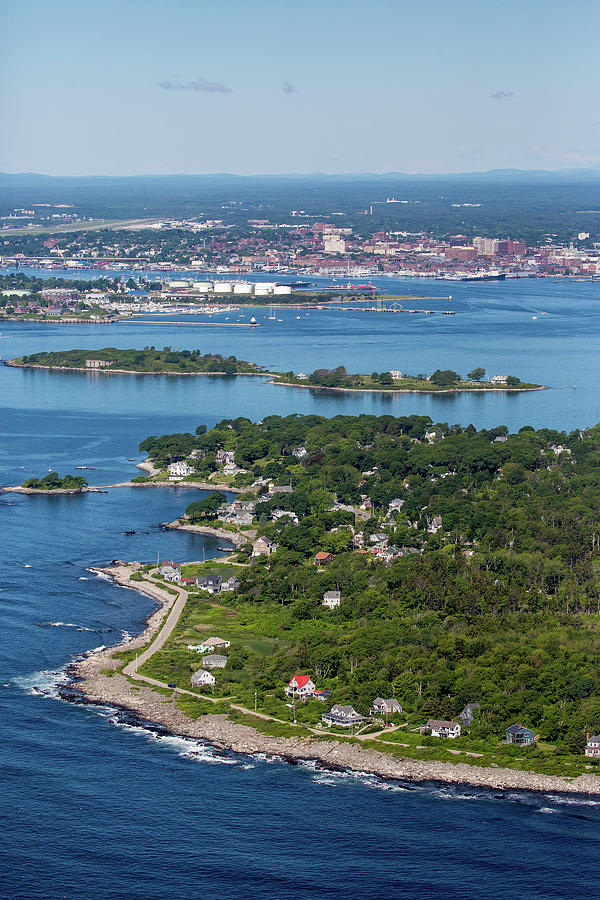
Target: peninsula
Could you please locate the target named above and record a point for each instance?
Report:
(393, 583)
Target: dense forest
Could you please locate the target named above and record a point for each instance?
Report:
(149, 360)
(490, 591)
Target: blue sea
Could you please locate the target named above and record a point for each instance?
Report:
(94, 804)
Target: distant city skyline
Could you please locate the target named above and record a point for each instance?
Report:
(150, 87)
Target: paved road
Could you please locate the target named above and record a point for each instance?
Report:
(162, 636)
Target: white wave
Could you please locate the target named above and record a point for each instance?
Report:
(82, 578)
(186, 748)
(98, 649)
(65, 625)
(546, 810)
(103, 577)
(126, 637)
(46, 682)
(572, 801)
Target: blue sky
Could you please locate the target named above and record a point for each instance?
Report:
(272, 86)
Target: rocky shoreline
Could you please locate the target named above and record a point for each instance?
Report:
(238, 540)
(92, 684)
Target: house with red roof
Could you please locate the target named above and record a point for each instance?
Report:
(300, 686)
(323, 557)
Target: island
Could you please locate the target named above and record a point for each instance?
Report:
(408, 598)
(442, 380)
(149, 361)
(52, 482)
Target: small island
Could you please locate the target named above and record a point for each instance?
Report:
(149, 361)
(52, 482)
(440, 381)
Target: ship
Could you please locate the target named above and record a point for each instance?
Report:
(484, 276)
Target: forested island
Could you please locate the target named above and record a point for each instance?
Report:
(167, 361)
(150, 360)
(440, 380)
(444, 567)
(53, 482)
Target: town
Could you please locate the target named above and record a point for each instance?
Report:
(375, 584)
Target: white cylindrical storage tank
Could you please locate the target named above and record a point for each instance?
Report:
(222, 287)
(261, 290)
(242, 288)
(203, 286)
(282, 289)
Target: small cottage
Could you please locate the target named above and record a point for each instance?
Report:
(263, 546)
(322, 558)
(214, 661)
(202, 678)
(332, 599)
(519, 735)
(213, 643)
(592, 746)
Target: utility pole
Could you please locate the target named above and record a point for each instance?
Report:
(254, 701)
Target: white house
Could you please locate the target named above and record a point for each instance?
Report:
(332, 599)
(179, 469)
(396, 504)
(280, 513)
(499, 379)
(300, 686)
(213, 643)
(434, 525)
(344, 716)
(443, 729)
(170, 571)
(592, 747)
(201, 678)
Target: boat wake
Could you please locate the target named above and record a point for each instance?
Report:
(67, 625)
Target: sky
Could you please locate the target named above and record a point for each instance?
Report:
(125, 87)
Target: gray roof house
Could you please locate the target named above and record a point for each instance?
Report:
(592, 745)
(210, 583)
(332, 599)
(344, 716)
(201, 678)
(468, 714)
(214, 661)
(520, 735)
(385, 707)
(443, 728)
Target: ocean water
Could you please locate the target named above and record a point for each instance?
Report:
(93, 804)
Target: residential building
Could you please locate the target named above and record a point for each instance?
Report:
(210, 583)
(499, 379)
(179, 469)
(519, 735)
(202, 678)
(383, 707)
(443, 729)
(299, 452)
(434, 525)
(263, 546)
(281, 513)
(214, 661)
(323, 557)
(332, 599)
(343, 716)
(170, 571)
(468, 714)
(300, 686)
(232, 584)
(213, 643)
(592, 746)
